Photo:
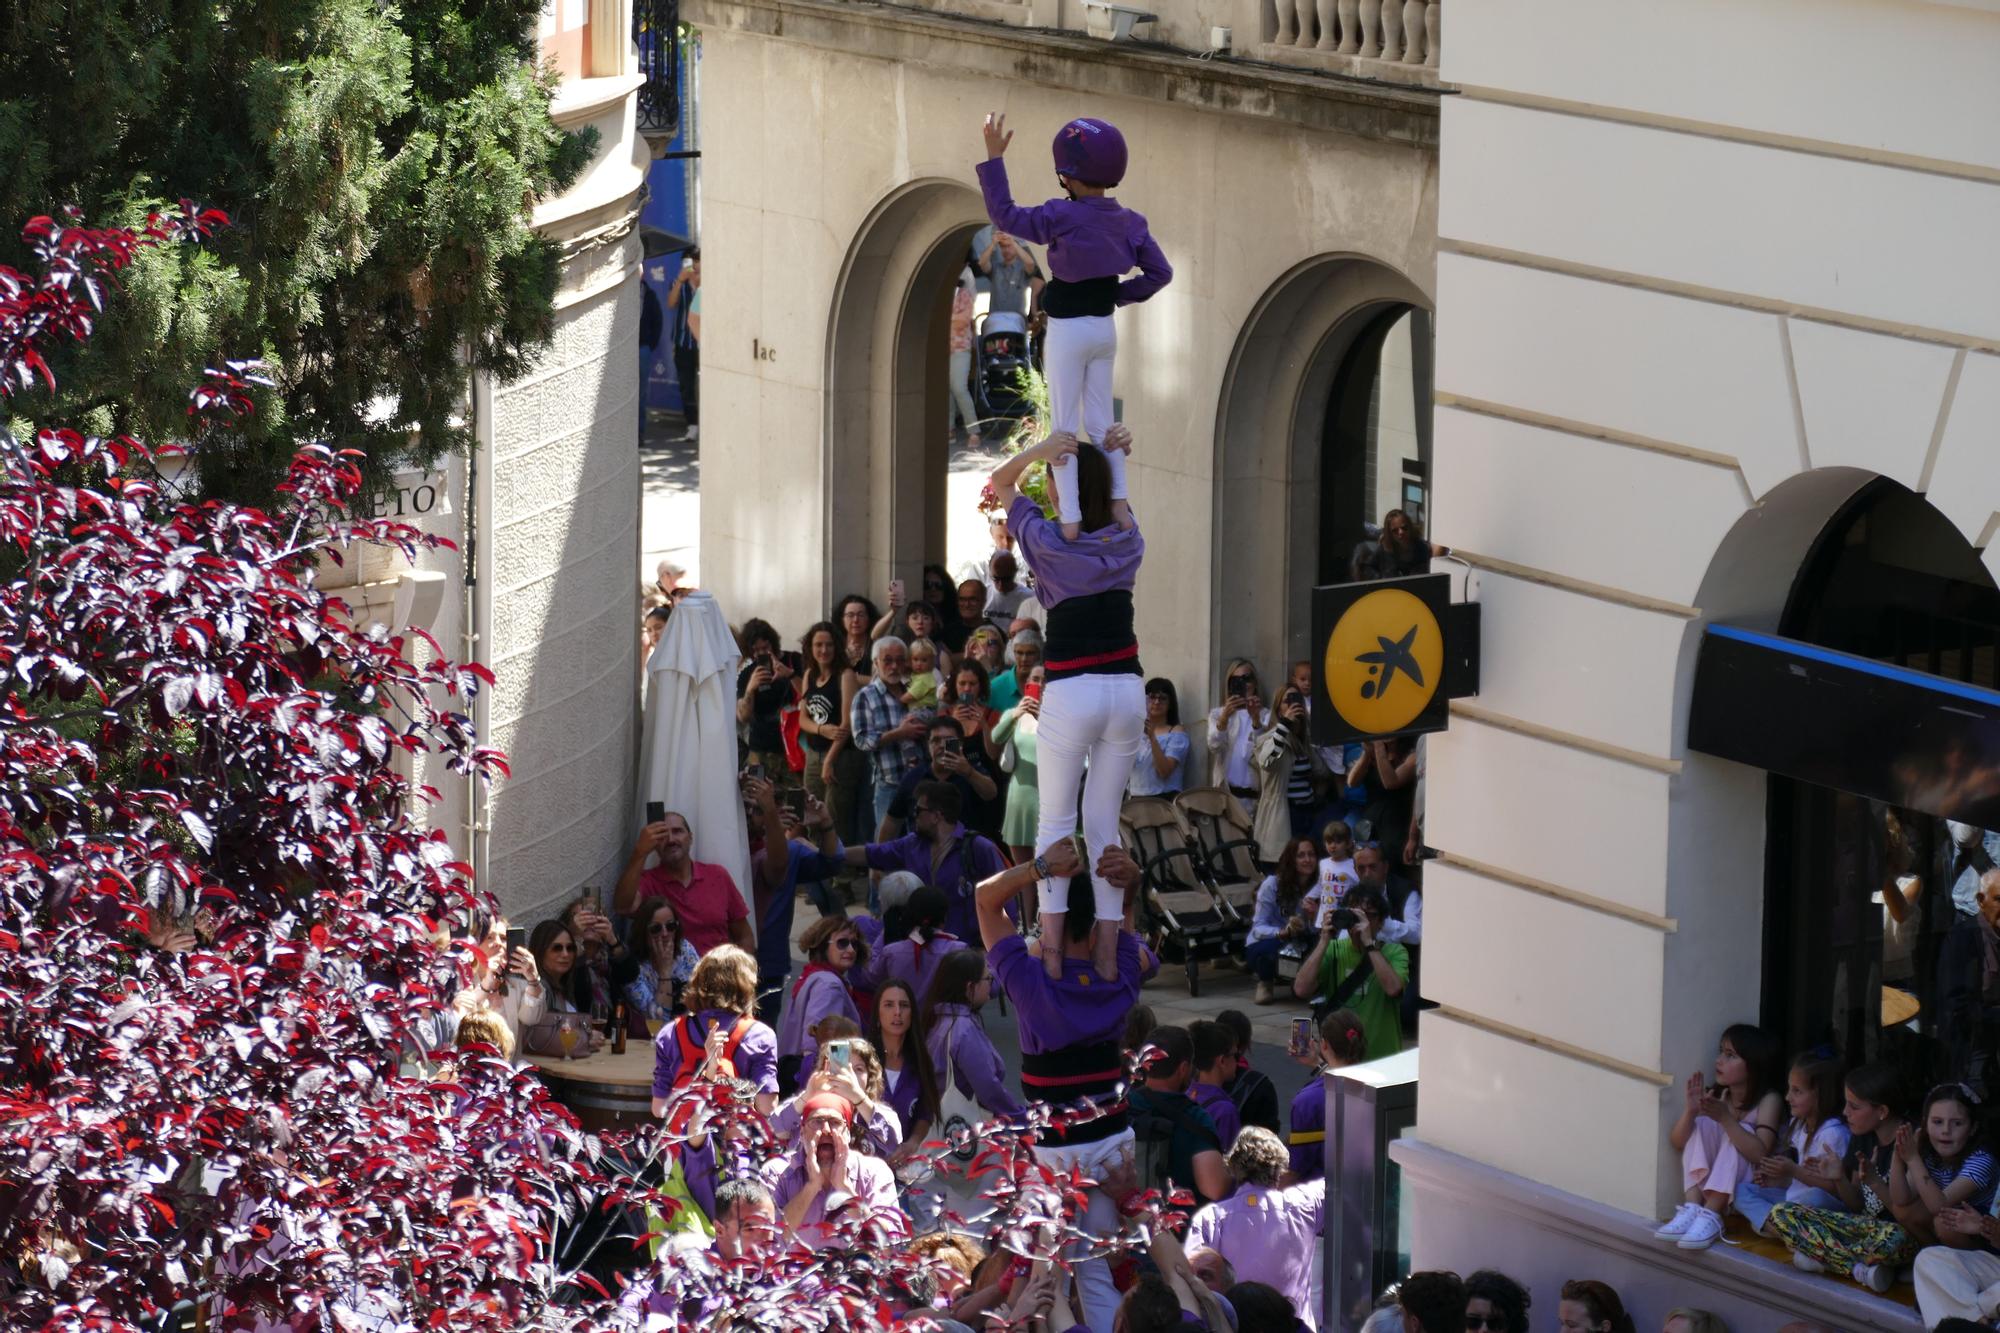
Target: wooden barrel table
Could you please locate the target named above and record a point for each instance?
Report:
(606, 1091)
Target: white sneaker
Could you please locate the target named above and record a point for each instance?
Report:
(1676, 1226)
(1703, 1231)
(1876, 1277)
(1805, 1263)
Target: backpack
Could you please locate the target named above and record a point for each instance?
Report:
(694, 1052)
(1153, 1143)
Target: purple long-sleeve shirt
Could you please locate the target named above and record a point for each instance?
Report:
(1228, 1120)
(819, 995)
(869, 1181)
(968, 860)
(1308, 1140)
(756, 1055)
(1101, 561)
(1080, 1009)
(962, 1053)
(911, 960)
(1092, 237)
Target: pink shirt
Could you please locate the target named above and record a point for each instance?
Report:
(706, 904)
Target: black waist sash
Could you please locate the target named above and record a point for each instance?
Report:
(1093, 1071)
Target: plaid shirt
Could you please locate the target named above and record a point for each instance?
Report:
(877, 711)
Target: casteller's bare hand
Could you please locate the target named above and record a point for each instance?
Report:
(1058, 446)
(1118, 437)
(998, 136)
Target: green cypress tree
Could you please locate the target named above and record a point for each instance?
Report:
(379, 161)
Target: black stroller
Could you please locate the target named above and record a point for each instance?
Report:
(1000, 359)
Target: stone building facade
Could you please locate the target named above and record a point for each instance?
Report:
(1707, 274)
(1293, 189)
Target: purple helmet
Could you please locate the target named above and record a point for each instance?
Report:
(1091, 152)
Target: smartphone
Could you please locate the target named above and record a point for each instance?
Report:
(764, 660)
(794, 801)
(839, 1054)
(1301, 1036)
(1031, 690)
(517, 938)
(1239, 688)
(656, 812)
(755, 772)
(895, 590)
(953, 745)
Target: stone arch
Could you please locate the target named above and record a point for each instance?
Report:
(1268, 446)
(886, 405)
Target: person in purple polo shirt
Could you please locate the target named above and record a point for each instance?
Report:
(1215, 1065)
(1093, 696)
(914, 959)
(826, 1174)
(939, 851)
(1070, 1027)
(1266, 1233)
(1093, 242)
(1341, 1042)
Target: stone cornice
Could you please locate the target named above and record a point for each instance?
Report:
(1393, 113)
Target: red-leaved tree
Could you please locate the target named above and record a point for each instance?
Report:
(219, 924)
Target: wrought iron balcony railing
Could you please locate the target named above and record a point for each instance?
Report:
(656, 32)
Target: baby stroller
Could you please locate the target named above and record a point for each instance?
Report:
(1000, 358)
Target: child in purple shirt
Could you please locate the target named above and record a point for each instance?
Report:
(1214, 1066)
(1093, 242)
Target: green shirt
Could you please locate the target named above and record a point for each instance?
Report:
(1380, 1013)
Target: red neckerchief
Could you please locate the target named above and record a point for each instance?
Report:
(863, 1000)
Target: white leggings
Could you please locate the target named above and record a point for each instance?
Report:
(1100, 717)
(1076, 360)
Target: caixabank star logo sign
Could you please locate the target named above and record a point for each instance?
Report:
(1386, 663)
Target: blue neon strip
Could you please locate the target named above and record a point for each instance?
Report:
(1923, 680)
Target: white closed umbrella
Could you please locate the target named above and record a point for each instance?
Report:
(688, 760)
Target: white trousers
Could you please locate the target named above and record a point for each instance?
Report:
(1094, 1288)
(1961, 1283)
(1099, 718)
(1077, 355)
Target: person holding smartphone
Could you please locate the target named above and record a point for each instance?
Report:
(1161, 767)
(1289, 771)
(765, 687)
(1019, 727)
(1232, 728)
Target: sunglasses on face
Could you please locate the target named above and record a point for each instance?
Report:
(841, 944)
(1474, 1323)
(665, 928)
(562, 947)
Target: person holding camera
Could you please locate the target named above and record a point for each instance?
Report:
(1352, 968)
(1289, 771)
(950, 760)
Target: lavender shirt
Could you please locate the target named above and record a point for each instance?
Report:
(1267, 1235)
(1216, 1101)
(971, 859)
(1101, 561)
(1093, 237)
(906, 1098)
(1080, 1009)
(869, 1180)
(818, 996)
(911, 960)
(756, 1055)
(963, 1055)
(882, 1135)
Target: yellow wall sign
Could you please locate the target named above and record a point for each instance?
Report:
(1384, 658)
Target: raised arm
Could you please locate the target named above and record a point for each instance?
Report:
(1009, 472)
(1028, 224)
(990, 899)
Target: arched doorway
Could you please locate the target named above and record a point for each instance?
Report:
(887, 408)
(1885, 625)
(1325, 416)
(1861, 894)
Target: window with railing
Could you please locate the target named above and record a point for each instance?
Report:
(656, 31)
